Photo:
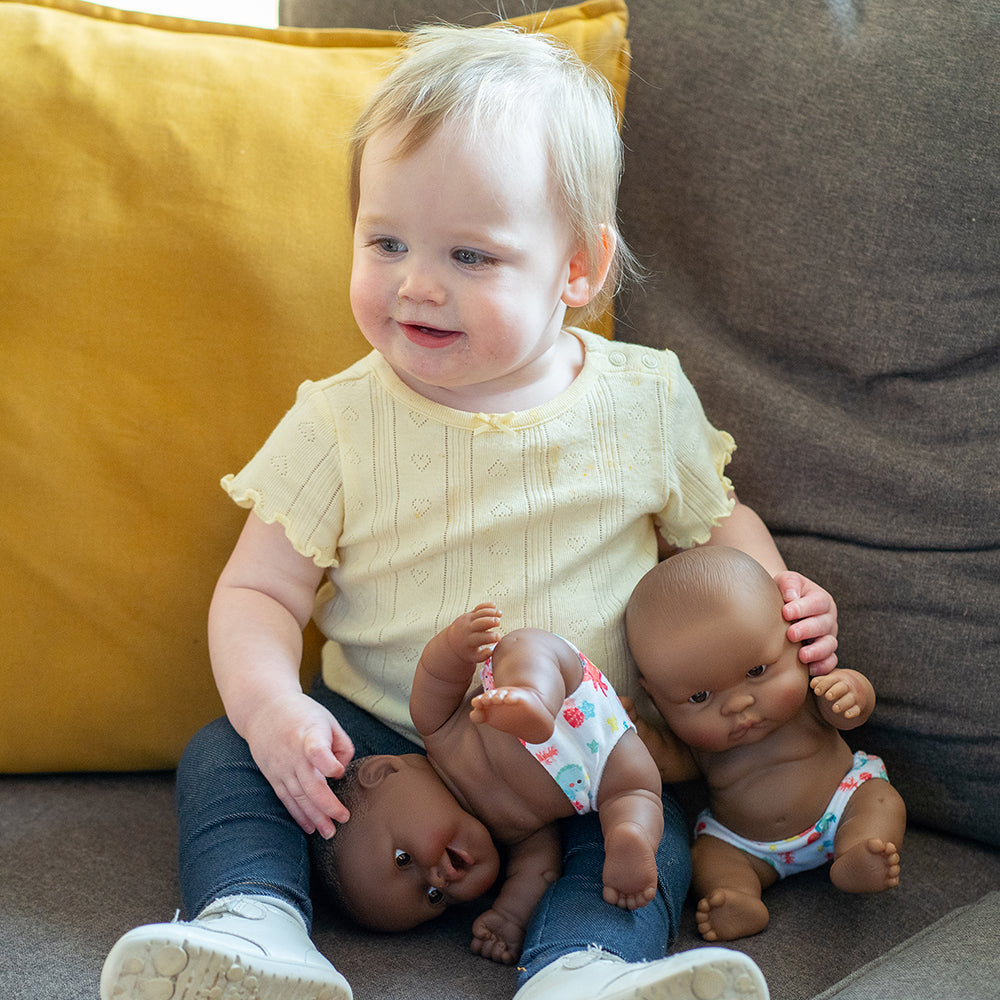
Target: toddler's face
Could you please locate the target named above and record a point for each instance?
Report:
(412, 850)
(463, 267)
(729, 679)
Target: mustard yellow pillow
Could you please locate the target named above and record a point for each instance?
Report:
(175, 244)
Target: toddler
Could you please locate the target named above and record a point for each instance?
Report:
(786, 793)
(422, 828)
(487, 447)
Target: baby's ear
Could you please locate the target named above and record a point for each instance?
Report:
(587, 277)
(374, 770)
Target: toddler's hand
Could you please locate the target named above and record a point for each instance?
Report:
(813, 614)
(298, 744)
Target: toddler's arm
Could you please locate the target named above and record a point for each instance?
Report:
(532, 866)
(263, 600)
(846, 698)
(447, 664)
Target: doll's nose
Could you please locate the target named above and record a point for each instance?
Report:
(737, 702)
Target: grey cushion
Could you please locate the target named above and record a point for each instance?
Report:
(814, 189)
(955, 957)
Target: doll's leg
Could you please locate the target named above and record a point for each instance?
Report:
(631, 811)
(573, 915)
(869, 835)
(532, 674)
(728, 883)
(632, 824)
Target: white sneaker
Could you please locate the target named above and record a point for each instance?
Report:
(698, 974)
(237, 948)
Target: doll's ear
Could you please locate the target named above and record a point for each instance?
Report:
(586, 277)
(373, 771)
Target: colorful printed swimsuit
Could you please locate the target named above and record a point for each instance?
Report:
(812, 847)
(588, 727)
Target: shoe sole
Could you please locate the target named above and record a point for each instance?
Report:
(165, 968)
(729, 976)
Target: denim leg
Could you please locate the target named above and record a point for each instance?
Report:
(236, 837)
(573, 915)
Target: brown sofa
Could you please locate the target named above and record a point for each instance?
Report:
(814, 190)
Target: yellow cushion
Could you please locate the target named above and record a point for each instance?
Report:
(175, 245)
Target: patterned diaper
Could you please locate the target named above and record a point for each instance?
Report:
(812, 847)
(588, 727)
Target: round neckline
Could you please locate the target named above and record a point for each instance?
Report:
(510, 422)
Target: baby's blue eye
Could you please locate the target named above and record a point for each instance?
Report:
(402, 859)
(435, 896)
(700, 697)
(387, 245)
(471, 258)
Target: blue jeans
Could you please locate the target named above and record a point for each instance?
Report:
(237, 838)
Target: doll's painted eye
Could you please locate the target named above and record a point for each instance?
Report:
(757, 671)
(402, 859)
(698, 698)
(434, 896)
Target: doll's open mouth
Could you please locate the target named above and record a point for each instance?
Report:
(460, 860)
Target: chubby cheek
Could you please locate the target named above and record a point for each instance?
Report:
(787, 699)
(367, 301)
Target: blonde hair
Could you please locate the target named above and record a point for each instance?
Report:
(493, 77)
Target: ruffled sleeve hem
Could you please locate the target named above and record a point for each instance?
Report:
(251, 499)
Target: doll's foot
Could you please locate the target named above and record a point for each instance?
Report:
(728, 914)
(629, 867)
(515, 710)
(871, 866)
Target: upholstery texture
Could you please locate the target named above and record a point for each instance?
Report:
(177, 254)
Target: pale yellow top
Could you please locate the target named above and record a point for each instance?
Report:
(421, 512)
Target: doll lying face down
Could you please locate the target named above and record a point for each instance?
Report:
(544, 737)
(785, 791)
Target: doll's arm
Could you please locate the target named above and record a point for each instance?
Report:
(672, 757)
(447, 664)
(845, 698)
(533, 865)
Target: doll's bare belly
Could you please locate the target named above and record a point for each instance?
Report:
(776, 799)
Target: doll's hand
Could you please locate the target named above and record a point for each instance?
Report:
(844, 693)
(472, 636)
(497, 937)
(813, 614)
(298, 744)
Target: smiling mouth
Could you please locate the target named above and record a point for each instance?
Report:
(428, 336)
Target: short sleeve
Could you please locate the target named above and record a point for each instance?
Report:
(700, 493)
(295, 479)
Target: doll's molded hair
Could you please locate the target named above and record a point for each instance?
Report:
(693, 583)
(323, 854)
(490, 79)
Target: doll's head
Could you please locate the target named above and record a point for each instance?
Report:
(408, 851)
(706, 630)
(495, 86)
